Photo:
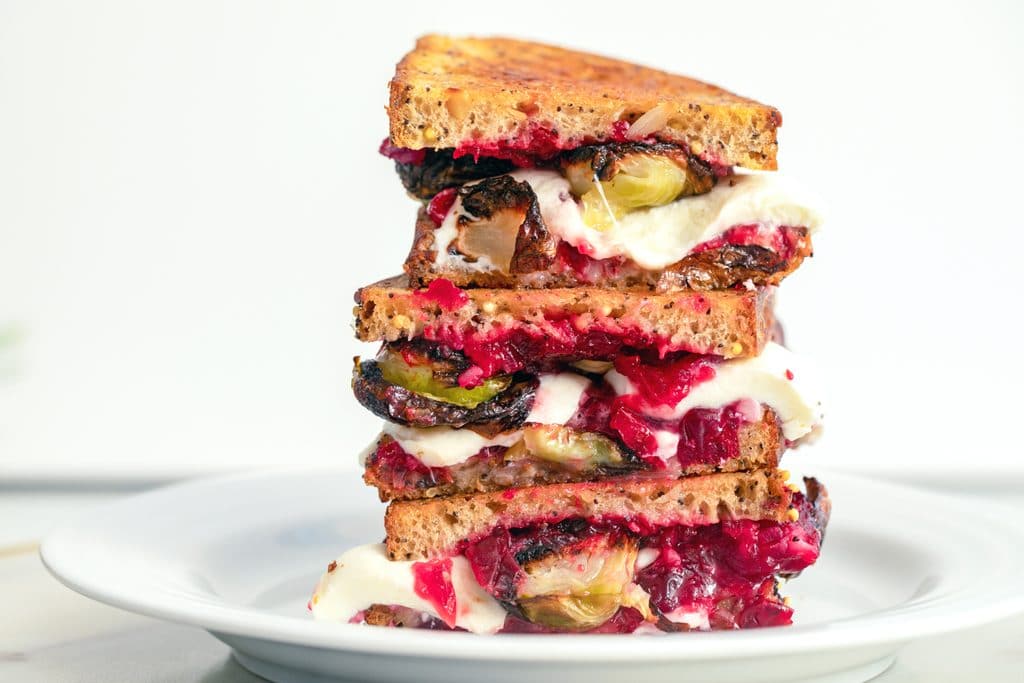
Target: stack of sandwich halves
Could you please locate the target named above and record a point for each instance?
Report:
(585, 394)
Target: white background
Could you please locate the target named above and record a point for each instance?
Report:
(190, 193)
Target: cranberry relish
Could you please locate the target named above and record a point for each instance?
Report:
(507, 350)
(720, 576)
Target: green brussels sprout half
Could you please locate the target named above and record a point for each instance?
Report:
(580, 588)
(565, 446)
(420, 379)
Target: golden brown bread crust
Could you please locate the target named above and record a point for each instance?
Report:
(729, 323)
(761, 447)
(451, 92)
(711, 269)
(421, 529)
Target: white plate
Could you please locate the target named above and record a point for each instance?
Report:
(240, 555)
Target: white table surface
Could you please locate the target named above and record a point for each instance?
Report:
(50, 634)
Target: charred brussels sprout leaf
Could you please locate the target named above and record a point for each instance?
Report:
(502, 225)
(439, 170)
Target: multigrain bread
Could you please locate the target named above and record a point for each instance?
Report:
(422, 529)
(760, 447)
(715, 268)
(472, 93)
(731, 323)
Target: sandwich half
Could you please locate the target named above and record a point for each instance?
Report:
(697, 553)
(589, 179)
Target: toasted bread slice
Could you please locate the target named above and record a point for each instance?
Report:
(760, 447)
(730, 323)
(423, 529)
(479, 94)
(715, 268)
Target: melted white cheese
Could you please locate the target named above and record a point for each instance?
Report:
(556, 400)
(765, 379)
(668, 443)
(656, 237)
(364, 576)
(444, 446)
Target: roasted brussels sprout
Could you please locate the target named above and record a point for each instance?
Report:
(611, 180)
(417, 385)
(439, 170)
(571, 612)
(502, 223)
(583, 585)
(420, 379)
(566, 446)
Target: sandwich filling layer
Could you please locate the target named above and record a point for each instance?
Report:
(674, 416)
(583, 575)
(742, 209)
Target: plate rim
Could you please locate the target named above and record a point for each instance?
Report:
(871, 629)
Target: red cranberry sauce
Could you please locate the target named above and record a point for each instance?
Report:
(402, 155)
(394, 468)
(705, 436)
(619, 130)
(508, 350)
(443, 293)
(664, 382)
(440, 204)
(708, 436)
(432, 581)
(725, 571)
(534, 144)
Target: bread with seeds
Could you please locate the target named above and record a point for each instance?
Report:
(477, 94)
